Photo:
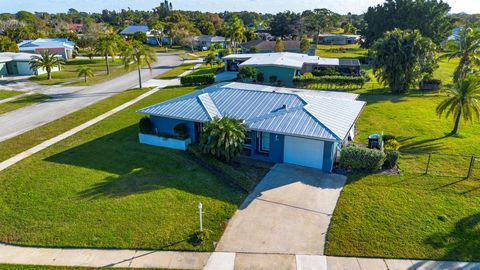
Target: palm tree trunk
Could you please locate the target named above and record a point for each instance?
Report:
(106, 63)
(85, 77)
(457, 122)
(139, 77)
(317, 39)
(49, 73)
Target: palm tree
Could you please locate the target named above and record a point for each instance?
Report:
(107, 46)
(85, 71)
(46, 60)
(463, 101)
(223, 137)
(235, 31)
(467, 48)
(139, 55)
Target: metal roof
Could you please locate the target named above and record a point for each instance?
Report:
(208, 38)
(305, 113)
(10, 56)
(46, 43)
(132, 29)
(283, 59)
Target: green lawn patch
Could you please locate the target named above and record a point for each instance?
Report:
(9, 93)
(22, 102)
(205, 69)
(101, 188)
(411, 215)
(69, 72)
(38, 135)
(341, 51)
(175, 72)
(44, 267)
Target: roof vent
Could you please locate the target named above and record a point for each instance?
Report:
(284, 106)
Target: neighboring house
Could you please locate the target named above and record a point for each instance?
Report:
(75, 27)
(456, 32)
(61, 46)
(132, 29)
(285, 66)
(338, 39)
(284, 125)
(265, 46)
(18, 64)
(205, 41)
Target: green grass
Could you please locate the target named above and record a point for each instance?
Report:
(42, 267)
(205, 69)
(412, 215)
(9, 93)
(101, 188)
(175, 72)
(22, 102)
(36, 136)
(69, 72)
(341, 51)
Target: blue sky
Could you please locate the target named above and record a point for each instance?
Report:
(270, 6)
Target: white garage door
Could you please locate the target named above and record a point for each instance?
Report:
(304, 152)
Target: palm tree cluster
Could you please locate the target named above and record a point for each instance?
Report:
(107, 46)
(223, 137)
(85, 72)
(46, 60)
(467, 48)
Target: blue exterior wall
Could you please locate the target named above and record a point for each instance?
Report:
(276, 148)
(329, 151)
(283, 74)
(165, 126)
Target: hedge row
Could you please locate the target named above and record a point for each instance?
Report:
(221, 169)
(332, 80)
(203, 79)
(363, 159)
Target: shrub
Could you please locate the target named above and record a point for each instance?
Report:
(387, 137)
(202, 235)
(326, 72)
(145, 125)
(260, 77)
(391, 158)
(202, 79)
(246, 73)
(358, 158)
(224, 52)
(342, 81)
(273, 79)
(221, 169)
(391, 144)
(308, 75)
(181, 130)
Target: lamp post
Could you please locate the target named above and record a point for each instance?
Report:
(200, 215)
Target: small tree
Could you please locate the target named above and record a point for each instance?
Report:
(210, 60)
(401, 58)
(304, 44)
(246, 73)
(279, 46)
(223, 137)
(85, 72)
(7, 45)
(107, 46)
(463, 101)
(253, 49)
(46, 60)
(140, 36)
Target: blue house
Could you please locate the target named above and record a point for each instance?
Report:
(60, 46)
(132, 29)
(284, 125)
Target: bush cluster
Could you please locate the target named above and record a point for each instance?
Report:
(391, 158)
(223, 170)
(326, 72)
(363, 159)
(203, 79)
(343, 81)
(391, 144)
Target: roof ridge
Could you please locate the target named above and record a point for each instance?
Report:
(274, 114)
(209, 105)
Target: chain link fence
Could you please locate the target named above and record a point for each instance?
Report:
(439, 164)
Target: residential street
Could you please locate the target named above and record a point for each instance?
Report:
(70, 99)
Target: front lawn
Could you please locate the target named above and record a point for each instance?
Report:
(175, 72)
(9, 93)
(22, 102)
(412, 215)
(69, 73)
(101, 188)
(341, 51)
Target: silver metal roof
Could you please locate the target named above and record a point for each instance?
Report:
(305, 113)
(283, 59)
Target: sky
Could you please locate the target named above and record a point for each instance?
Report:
(264, 6)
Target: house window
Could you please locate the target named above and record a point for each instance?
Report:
(265, 142)
(248, 139)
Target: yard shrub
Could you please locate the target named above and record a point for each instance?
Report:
(363, 159)
(222, 169)
(181, 130)
(201, 236)
(330, 81)
(145, 125)
(387, 137)
(273, 79)
(391, 158)
(203, 79)
(391, 144)
(260, 77)
(326, 72)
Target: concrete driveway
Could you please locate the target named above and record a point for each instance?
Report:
(288, 213)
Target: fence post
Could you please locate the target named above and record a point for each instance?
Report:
(428, 163)
(470, 168)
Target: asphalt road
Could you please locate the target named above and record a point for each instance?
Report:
(69, 100)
